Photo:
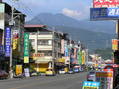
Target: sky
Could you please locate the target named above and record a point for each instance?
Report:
(78, 9)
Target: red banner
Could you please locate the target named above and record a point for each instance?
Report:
(105, 3)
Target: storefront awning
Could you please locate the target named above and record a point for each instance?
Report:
(42, 60)
(61, 60)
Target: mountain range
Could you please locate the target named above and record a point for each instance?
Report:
(94, 34)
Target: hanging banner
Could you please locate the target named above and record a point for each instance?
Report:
(105, 3)
(7, 41)
(91, 85)
(26, 47)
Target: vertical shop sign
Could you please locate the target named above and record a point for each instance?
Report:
(7, 41)
(83, 57)
(66, 52)
(15, 39)
(26, 47)
(79, 57)
(115, 44)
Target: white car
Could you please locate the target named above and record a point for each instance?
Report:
(91, 76)
(62, 72)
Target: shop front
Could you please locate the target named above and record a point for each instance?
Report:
(60, 65)
(42, 64)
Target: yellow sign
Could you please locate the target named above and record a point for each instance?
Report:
(83, 57)
(15, 42)
(104, 74)
(114, 44)
(18, 69)
(26, 59)
(38, 55)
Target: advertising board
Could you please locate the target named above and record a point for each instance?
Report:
(105, 3)
(105, 78)
(18, 69)
(115, 44)
(26, 47)
(104, 13)
(91, 85)
(7, 41)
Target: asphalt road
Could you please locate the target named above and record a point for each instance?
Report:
(62, 81)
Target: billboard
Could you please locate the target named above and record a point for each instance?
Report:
(104, 13)
(7, 41)
(91, 85)
(115, 44)
(105, 3)
(105, 78)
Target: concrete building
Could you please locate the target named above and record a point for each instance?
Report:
(47, 46)
(6, 24)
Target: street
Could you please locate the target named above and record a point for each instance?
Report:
(62, 81)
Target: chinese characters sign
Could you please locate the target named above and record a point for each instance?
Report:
(91, 85)
(26, 48)
(105, 3)
(7, 41)
(115, 44)
(104, 13)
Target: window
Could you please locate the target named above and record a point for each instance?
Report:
(44, 42)
(46, 53)
(32, 42)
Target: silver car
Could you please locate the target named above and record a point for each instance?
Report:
(91, 76)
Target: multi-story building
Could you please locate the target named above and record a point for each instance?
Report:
(46, 44)
(10, 20)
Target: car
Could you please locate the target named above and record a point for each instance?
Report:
(91, 76)
(50, 72)
(62, 71)
(3, 74)
(33, 73)
(70, 71)
(76, 68)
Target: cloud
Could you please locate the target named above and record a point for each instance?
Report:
(72, 13)
(78, 8)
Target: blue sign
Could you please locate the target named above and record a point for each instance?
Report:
(104, 13)
(66, 52)
(1, 48)
(113, 12)
(91, 84)
(7, 41)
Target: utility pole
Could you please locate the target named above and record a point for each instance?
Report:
(53, 49)
(11, 23)
(116, 52)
